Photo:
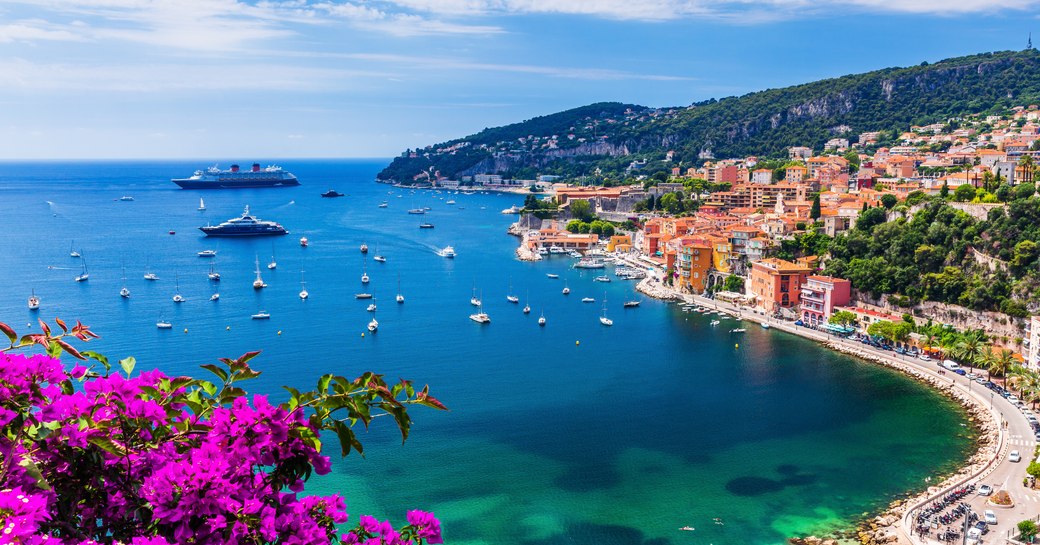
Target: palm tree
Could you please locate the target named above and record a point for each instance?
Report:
(1002, 362)
(971, 347)
(1031, 387)
(986, 360)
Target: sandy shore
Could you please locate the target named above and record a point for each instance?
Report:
(893, 525)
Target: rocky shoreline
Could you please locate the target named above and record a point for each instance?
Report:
(884, 527)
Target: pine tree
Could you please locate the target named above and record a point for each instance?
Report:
(814, 212)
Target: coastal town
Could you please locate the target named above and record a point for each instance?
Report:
(740, 236)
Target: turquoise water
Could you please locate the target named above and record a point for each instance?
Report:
(571, 433)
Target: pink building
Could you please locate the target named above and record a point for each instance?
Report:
(820, 294)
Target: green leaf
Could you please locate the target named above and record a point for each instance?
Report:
(11, 335)
(208, 387)
(35, 473)
(220, 372)
(99, 357)
(107, 444)
(128, 364)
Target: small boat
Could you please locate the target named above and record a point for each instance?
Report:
(765, 326)
(602, 279)
(213, 275)
(151, 276)
(83, 276)
(383, 204)
(259, 282)
(72, 252)
(574, 254)
(541, 319)
(304, 294)
(215, 296)
(373, 325)
(172, 232)
(551, 275)
(630, 304)
(161, 323)
(400, 298)
(303, 241)
(715, 322)
(34, 301)
(566, 288)
(527, 303)
(737, 330)
(208, 253)
(543, 251)
(371, 307)
(425, 225)
(512, 210)
(417, 211)
(380, 258)
(450, 202)
(202, 204)
(362, 296)
(687, 528)
(331, 193)
(364, 274)
(588, 300)
(262, 315)
(124, 293)
(509, 296)
(480, 317)
(603, 319)
(364, 248)
(126, 198)
(589, 263)
(177, 298)
(273, 264)
(448, 252)
(556, 250)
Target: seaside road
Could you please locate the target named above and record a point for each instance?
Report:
(1017, 433)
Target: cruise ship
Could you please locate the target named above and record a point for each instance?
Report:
(215, 178)
(244, 226)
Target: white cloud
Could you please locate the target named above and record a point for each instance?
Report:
(445, 64)
(31, 30)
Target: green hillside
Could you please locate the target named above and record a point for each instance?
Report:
(609, 136)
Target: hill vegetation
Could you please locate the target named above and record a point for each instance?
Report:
(605, 138)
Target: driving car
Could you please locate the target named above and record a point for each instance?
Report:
(1014, 456)
(985, 490)
(990, 517)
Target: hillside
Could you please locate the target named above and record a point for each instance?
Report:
(609, 136)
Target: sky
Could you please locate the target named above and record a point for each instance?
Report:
(238, 80)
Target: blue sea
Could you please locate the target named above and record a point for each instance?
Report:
(569, 433)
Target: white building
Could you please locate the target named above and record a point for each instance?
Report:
(1034, 343)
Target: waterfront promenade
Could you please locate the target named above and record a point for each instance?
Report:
(1004, 428)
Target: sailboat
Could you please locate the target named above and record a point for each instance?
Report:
(480, 317)
(161, 323)
(400, 298)
(125, 292)
(213, 275)
(303, 287)
(34, 301)
(373, 325)
(527, 303)
(541, 319)
(84, 275)
(475, 301)
(259, 282)
(566, 289)
(202, 204)
(216, 294)
(364, 272)
(510, 297)
(177, 298)
(273, 264)
(603, 319)
(72, 252)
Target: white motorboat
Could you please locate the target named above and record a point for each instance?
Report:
(543, 251)
(34, 301)
(589, 263)
(373, 325)
(556, 250)
(765, 326)
(630, 304)
(151, 276)
(380, 259)
(161, 323)
(715, 322)
(303, 242)
(566, 288)
(737, 330)
(574, 254)
(208, 253)
(371, 307)
(588, 300)
(383, 204)
(259, 282)
(551, 275)
(364, 248)
(262, 315)
(450, 202)
(448, 252)
(362, 296)
(214, 297)
(602, 279)
(480, 316)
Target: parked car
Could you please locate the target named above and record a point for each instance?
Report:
(960, 372)
(982, 527)
(1014, 456)
(990, 517)
(985, 490)
(924, 357)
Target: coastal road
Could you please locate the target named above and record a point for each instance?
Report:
(1018, 435)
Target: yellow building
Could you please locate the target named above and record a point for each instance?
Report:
(619, 243)
(720, 254)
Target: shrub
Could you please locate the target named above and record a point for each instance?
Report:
(150, 459)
